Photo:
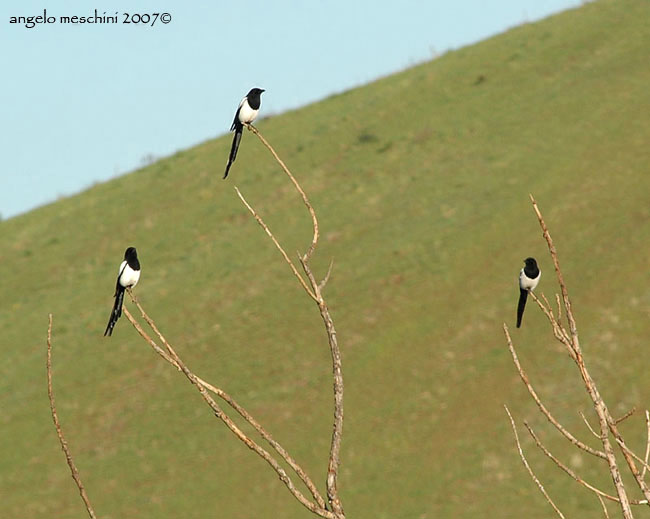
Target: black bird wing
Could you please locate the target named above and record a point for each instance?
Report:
(523, 295)
(236, 122)
(117, 306)
(239, 129)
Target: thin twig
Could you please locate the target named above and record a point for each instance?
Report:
(542, 407)
(277, 244)
(626, 415)
(530, 471)
(625, 448)
(260, 451)
(602, 503)
(312, 213)
(629, 459)
(59, 431)
(647, 445)
(558, 330)
(584, 419)
(322, 284)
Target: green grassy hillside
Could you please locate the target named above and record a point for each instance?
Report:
(421, 183)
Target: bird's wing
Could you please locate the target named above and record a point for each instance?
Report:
(119, 275)
(236, 122)
(522, 277)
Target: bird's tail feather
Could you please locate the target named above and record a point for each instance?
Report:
(523, 295)
(115, 313)
(233, 149)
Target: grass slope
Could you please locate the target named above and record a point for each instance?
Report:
(421, 182)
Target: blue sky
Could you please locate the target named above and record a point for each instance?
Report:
(84, 103)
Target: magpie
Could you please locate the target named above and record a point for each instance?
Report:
(128, 276)
(528, 279)
(246, 114)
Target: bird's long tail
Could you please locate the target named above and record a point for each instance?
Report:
(116, 312)
(523, 295)
(239, 129)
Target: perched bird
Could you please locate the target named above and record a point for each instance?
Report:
(528, 279)
(246, 114)
(128, 276)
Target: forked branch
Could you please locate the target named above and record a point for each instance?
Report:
(332, 509)
(607, 424)
(170, 355)
(315, 291)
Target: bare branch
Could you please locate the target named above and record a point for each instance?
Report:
(59, 431)
(602, 503)
(315, 293)
(146, 337)
(558, 331)
(604, 417)
(337, 429)
(626, 415)
(223, 395)
(629, 459)
(647, 445)
(322, 284)
(558, 272)
(573, 474)
(631, 453)
(312, 213)
(541, 406)
(584, 419)
(250, 443)
(530, 471)
(277, 244)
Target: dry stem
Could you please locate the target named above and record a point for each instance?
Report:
(277, 244)
(59, 431)
(602, 503)
(542, 407)
(647, 445)
(312, 213)
(530, 471)
(573, 474)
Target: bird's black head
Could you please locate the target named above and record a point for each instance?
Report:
(254, 97)
(531, 269)
(530, 262)
(130, 254)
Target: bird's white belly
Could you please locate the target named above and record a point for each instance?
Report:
(526, 283)
(129, 277)
(247, 114)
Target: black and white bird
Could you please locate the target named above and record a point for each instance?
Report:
(528, 279)
(128, 276)
(246, 114)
